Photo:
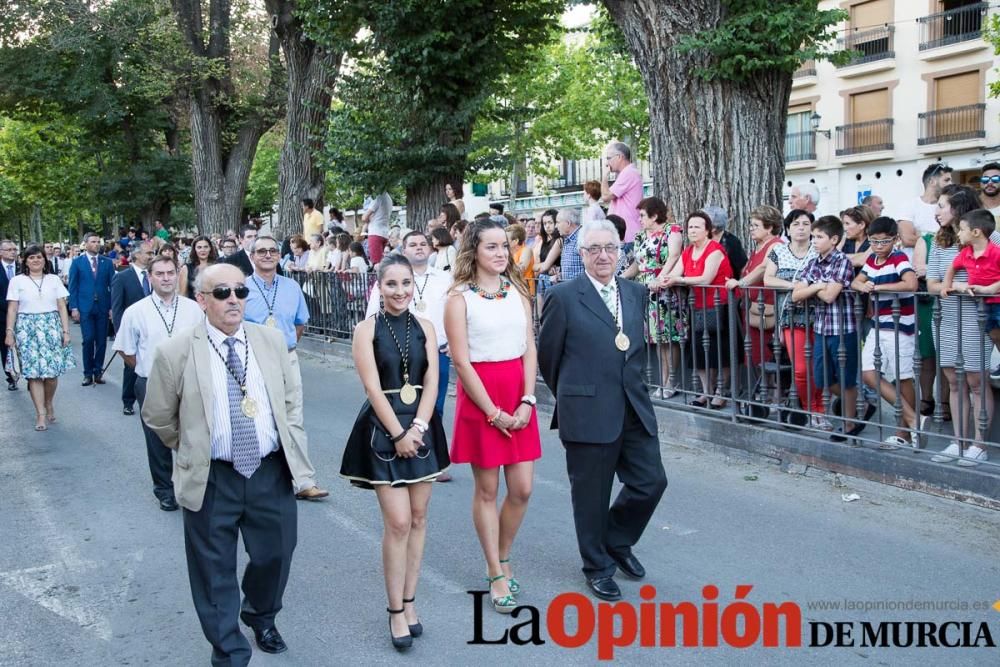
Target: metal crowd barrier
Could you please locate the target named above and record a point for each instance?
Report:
(760, 379)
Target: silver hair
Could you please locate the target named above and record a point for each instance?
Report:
(598, 226)
(720, 219)
(570, 215)
(266, 237)
(619, 147)
(809, 190)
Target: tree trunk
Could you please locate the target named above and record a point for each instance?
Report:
(312, 71)
(715, 142)
(424, 200)
(224, 130)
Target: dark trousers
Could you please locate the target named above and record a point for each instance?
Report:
(635, 458)
(94, 329)
(444, 371)
(160, 458)
(3, 354)
(262, 508)
(129, 394)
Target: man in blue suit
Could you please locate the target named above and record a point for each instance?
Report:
(90, 304)
(128, 287)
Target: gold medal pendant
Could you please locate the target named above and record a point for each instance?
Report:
(249, 407)
(421, 306)
(408, 393)
(271, 322)
(622, 342)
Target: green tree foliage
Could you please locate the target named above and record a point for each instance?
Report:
(262, 188)
(420, 77)
(760, 35)
(991, 31)
(559, 107)
(107, 70)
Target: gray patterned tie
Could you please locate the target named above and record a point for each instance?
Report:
(244, 449)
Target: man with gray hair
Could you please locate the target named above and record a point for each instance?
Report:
(804, 196)
(568, 224)
(624, 194)
(875, 203)
(730, 243)
(591, 354)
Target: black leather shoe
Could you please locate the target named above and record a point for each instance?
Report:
(98, 379)
(268, 640)
(87, 381)
(629, 564)
(128, 410)
(11, 385)
(169, 505)
(605, 588)
(398, 643)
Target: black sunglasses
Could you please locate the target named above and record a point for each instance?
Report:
(222, 293)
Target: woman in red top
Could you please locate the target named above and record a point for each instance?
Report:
(758, 317)
(705, 267)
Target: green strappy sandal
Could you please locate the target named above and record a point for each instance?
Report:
(503, 604)
(515, 588)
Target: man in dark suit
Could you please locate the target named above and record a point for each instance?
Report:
(128, 287)
(590, 353)
(90, 304)
(8, 269)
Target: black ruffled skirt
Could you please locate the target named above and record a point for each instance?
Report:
(370, 456)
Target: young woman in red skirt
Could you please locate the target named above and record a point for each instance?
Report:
(492, 343)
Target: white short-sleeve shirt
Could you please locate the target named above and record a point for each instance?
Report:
(36, 296)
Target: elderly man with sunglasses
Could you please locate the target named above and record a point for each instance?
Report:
(278, 302)
(224, 396)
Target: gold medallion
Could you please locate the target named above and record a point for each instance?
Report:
(249, 407)
(622, 342)
(421, 306)
(271, 322)
(408, 393)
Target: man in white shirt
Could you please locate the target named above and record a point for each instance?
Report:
(377, 217)
(144, 325)
(918, 216)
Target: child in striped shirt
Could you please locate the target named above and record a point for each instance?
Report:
(890, 279)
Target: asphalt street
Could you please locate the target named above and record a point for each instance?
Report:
(93, 573)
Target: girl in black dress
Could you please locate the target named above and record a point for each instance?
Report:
(398, 446)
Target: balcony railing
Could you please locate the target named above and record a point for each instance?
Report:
(575, 173)
(956, 124)
(950, 27)
(867, 137)
(808, 68)
(800, 146)
(869, 45)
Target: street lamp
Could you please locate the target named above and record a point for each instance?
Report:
(814, 121)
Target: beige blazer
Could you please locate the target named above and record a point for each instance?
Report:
(180, 396)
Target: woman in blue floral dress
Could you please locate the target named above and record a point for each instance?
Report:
(38, 323)
(657, 248)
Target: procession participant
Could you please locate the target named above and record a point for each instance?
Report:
(143, 326)
(129, 287)
(225, 398)
(90, 304)
(278, 302)
(38, 324)
(398, 443)
(591, 355)
(492, 343)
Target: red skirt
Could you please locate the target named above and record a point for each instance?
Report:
(474, 440)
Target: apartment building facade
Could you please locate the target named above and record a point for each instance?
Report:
(916, 93)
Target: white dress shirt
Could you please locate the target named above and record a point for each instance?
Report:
(142, 328)
(431, 287)
(598, 285)
(267, 430)
(139, 273)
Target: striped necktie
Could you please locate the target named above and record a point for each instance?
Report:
(244, 448)
(608, 294)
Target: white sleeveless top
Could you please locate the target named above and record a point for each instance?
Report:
(497, 327)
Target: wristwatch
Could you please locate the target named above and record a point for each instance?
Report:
(529, 399)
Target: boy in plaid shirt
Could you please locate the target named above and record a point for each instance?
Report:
(827, 277)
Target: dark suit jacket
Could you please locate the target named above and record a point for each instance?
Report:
(4, 284)
(87, 292)
(593, 380)
(125, 290)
